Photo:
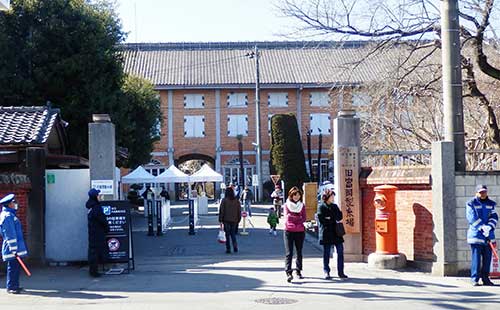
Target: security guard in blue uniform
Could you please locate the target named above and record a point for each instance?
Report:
(13, 242)
(482, 218)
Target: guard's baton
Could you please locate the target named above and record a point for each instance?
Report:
(28, 273)
(493, 249)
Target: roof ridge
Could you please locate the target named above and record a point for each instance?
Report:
(24, 108)
(244, 45)
(33, 108)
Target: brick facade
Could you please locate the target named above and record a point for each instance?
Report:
(228, 144)
(21, 191)
(413, 207)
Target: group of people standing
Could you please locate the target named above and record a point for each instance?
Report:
(294, 213)
(329, 215)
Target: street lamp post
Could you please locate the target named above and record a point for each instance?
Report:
(258, 159)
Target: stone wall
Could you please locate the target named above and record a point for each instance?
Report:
(465, 186)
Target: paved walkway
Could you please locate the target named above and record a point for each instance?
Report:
(179, 271)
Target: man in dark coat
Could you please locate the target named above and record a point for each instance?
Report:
(164, 193)
(98, 228)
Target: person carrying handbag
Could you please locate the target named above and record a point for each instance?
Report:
(294, 234)
(229, 218)
(329, 219)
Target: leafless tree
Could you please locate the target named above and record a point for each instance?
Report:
(405, 105)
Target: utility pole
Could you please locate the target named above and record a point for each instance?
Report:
(452, 81)
(258, 159)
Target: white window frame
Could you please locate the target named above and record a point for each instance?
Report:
(194, 126)
(237, 100)
(237, 124)
(194, 101)
(269, 116)
(319, 99)
(277, 100)
(323, 170)
(322, 121)
(360, 99)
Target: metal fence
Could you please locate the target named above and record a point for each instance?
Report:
(396, 158)
(482, 160)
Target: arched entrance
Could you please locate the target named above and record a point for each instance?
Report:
(189, 164)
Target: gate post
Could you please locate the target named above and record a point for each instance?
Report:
(347, 166)
(444, 209)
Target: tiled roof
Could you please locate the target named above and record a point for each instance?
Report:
(295, 63)
(26, 125)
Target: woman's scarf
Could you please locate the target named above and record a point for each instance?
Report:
(295, 207)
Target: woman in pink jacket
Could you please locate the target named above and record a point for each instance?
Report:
(294, 234)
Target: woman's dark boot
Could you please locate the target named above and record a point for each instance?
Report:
(299, 274)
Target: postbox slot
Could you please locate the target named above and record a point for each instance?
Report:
(381, 226)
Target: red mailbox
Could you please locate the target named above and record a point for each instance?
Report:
(385, 219)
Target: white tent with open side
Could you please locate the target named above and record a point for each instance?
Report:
(205, 174)
(139, 175)
(172, 175)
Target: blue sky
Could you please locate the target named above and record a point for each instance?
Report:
(201, 20)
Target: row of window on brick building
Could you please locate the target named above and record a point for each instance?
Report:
(237, 124)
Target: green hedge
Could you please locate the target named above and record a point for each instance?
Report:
(287, 155)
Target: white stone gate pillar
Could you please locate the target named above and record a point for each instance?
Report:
(346, 142)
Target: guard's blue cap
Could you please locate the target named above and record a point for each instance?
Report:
(94, 192)
(481, 188)
(7, 199)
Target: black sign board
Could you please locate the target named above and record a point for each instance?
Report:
(119, 237)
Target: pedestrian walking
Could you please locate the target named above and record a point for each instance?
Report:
(482, 218)
(13, 242)
(329, 216)
(230, 217)
(164, 193)
(246, 198)
(295, 215)
(272, 220)
(97, 228)
(277, 196)
(148, 193)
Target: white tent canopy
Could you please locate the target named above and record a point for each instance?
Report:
(205, 174)
(4, 5)
(139, 175)
(172, 175)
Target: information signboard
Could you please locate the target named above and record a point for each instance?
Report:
(105, 186)
(119, 237)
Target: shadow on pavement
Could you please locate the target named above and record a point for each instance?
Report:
(447, 302)
(69, 294)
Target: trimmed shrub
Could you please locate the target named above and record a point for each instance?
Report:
(287, 154)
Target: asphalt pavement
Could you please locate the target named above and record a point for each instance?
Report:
(182, 271)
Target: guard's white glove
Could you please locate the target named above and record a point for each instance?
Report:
(486, 230)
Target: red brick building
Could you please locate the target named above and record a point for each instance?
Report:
(207, 93)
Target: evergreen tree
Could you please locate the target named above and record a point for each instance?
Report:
(287, 154)
(68, 52)
(137, 120)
